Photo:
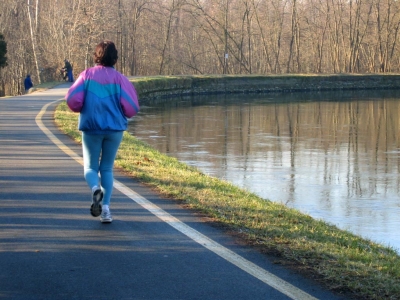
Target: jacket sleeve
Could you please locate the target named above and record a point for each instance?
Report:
(129, 98)
(76, 95)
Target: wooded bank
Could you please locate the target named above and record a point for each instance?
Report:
(161, 87)
(175, 37)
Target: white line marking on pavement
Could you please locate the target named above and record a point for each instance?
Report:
(247, 266)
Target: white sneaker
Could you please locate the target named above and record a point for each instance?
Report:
(105, 216)
(95, 207)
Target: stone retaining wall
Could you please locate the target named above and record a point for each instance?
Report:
(171, 86)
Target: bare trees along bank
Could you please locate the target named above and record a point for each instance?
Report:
(165, 37)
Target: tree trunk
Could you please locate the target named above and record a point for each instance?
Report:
(33, 39)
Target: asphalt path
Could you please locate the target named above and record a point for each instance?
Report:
(52, 248)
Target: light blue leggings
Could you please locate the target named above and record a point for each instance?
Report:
(99, 151)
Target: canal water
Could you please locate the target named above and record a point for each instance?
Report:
(332, 155)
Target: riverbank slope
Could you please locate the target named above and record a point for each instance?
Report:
(161, 87)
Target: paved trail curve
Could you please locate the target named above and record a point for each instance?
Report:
(51, 248)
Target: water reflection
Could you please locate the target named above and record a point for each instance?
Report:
(334, 156)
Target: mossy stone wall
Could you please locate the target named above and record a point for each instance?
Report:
(171, 86)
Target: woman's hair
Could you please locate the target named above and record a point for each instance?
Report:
(106, 54)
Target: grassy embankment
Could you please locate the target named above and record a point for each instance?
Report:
(44, 86)
(343, 261)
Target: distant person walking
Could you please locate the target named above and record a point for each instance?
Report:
(68, 69)
(28, 83)
(105, 99)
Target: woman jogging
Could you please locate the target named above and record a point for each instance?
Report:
(105, 99)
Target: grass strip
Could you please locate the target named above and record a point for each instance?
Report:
(342, 261)
(44, 86)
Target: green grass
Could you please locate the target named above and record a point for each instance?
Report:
(48, 85)
(44, 86)
(340, 260)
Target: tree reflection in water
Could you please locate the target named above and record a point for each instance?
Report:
(332, 155)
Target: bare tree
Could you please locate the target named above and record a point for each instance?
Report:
(194, 36)
(294, 41)
(387, 24)
(33, 37)
(359, 18)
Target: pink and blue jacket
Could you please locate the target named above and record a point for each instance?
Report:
(105, 99)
